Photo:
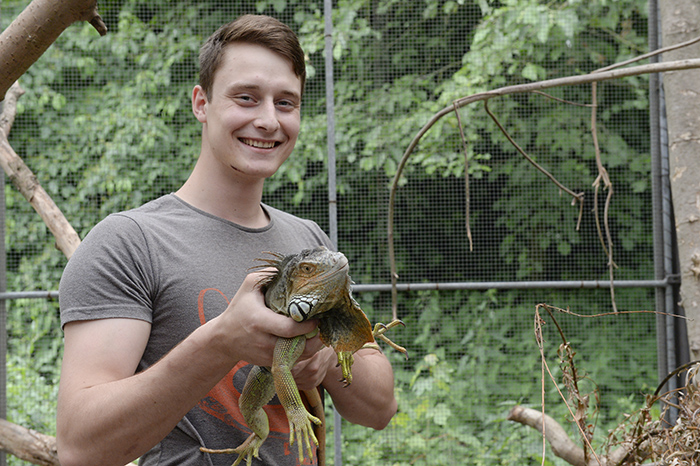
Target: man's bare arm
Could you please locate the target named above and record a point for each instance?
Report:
(109, 415)
(369, 400)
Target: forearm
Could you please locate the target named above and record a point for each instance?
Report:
(117, 421)
(109, 415)
(369, 400)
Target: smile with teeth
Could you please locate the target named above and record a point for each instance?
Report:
(259, 144)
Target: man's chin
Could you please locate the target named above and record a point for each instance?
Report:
(255, 173)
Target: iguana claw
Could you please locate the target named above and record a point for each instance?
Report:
(345, 361)
(378, 332)
(247, 450)
(300, 430)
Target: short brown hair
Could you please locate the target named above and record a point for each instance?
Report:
(254, 29)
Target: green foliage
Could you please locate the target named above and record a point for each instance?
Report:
(474, 356)
(106, 125)
(33, 336)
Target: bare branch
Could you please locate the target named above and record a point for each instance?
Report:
(607, 184)
(507, 90)
(562, 446)
(540, 344)
(67, 240)
(28, 444)
(7, 118)
(576, 196)
(466, 180)
(35, 29)
(653, 53)
(563, 101)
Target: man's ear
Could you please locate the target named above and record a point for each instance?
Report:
(199, 103)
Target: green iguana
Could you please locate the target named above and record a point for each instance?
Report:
(312, 284)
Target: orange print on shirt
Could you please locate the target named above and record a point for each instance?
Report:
(222, 400)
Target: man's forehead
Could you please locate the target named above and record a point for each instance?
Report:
(256, 54)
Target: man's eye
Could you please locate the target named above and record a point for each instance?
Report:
(245, 99)
(286, 104)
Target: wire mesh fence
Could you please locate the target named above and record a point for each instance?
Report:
(106, 125)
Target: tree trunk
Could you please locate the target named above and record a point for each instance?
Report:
(680, 21)
(35, 29)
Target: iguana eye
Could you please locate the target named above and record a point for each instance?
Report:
(307, 268)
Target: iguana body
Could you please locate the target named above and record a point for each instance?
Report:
(312, 284)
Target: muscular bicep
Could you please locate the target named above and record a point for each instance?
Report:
(101, 351)
(369, 400)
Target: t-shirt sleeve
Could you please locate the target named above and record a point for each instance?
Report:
(304, 231)
(109, 275)
(322, 237)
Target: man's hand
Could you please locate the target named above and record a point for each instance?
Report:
(250, 329)
(313, 365)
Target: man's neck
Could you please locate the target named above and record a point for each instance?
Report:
(237, 202)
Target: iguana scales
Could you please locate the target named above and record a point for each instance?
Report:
(312, 284)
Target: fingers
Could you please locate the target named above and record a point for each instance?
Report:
(313, 346)
(276, 324)
(310, 373)
(251, 329)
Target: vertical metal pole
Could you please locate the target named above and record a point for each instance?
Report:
(657, 194)
(3, 304)
(669, 233)
(330, 121)
(3, 309)
(332, 195)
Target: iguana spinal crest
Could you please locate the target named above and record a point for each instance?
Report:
(312, 284)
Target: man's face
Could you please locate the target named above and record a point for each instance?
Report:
(251, 122)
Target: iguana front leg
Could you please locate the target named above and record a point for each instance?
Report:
(346, 359)
(257, 392)
(378, 332)
(287, 351)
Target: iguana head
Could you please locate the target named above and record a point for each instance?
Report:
(307, 284)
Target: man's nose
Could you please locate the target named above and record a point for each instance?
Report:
(266, 118)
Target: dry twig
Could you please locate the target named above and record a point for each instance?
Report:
(466, 179)
(637, 439)
(607, 184)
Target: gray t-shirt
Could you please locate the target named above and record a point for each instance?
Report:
(177, 267)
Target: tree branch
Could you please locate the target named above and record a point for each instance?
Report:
(562, 445)
(35, 29)
(67, 240)
(27, 444)
(508, 90)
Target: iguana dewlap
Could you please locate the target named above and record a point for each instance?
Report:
(312, 284)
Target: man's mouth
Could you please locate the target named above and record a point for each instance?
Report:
(259, 144)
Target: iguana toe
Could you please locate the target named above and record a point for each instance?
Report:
(380, 329)
(300, 431)
(247, 450)
(345, 360)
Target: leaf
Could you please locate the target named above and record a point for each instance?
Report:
(441, 414)
(531, 72)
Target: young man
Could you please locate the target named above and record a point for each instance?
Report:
(161, 319)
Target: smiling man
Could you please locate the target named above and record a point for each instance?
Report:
(162, 321)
